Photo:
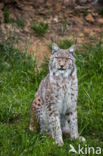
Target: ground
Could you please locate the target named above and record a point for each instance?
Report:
(63, 23)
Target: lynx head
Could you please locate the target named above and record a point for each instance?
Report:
(62, 62)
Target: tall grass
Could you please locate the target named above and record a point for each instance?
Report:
(40, 29)
(19, 80)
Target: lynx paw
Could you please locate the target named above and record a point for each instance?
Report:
(60, 143)
(81, 139)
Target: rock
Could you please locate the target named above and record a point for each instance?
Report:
(94, 14)
(77, 20)
(81, 34)
(27, 29)
(83, 1)
(41, 1)
(89, 18)
(12, 16)
(58, 7)
(55, 19)
(100, 21)
(42, 11)
(48, 4)
(66, 2)
(92, 1)
(87, 30)
(26, 8)
(1, 6)
(3, 30)
(1, 16)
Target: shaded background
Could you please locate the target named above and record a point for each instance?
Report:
(67, 19)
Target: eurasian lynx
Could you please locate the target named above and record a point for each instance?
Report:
(55, 103)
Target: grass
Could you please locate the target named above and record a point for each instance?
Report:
(85, 12)
(20, 23)
(19, 80)
(40, 29)
(6, 15)
(101, 12)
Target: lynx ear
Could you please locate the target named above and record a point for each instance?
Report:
(55, 48)
(73, 47)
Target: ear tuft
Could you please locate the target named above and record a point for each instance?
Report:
(55, 48)
(73, 47)
(75, 41)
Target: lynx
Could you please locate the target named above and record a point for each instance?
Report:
(55, 103)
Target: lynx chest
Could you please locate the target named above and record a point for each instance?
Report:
(63, 96)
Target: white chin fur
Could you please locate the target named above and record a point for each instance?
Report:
(62, 73)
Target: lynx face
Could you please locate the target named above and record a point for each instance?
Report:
(62, 61)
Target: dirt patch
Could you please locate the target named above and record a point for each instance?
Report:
(64, 23)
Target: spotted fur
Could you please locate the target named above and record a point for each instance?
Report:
(55, 103)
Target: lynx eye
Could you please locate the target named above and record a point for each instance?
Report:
(63, 58)
(66, 59)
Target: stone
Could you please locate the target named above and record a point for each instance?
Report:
(58, 7)
(87, 30)
(100, 21)
(26, 8)
(1, 6)
(48, 4)
(94, 14)
(41, 1)
(1, 16)
(66, 2)
(55, 19)
(81, 34)
(83, 1)
(89, 18)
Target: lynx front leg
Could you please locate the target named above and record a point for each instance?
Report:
(74, 127)
(55, 127)
(73, 124)
(73, 112)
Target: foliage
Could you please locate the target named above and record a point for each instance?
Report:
(20, 23)
(101, 12)
(65, 44)
(6, 15)
(40, 29)
(19, 80)
(85, 12)
(64, 25)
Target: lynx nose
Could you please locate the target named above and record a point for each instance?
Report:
(61, 66)
(61, 63)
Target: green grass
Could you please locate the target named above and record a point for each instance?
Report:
(85, 12)
(6, 15)
(20, 23)
(101, 12)
(19, 80)
(40, 29)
